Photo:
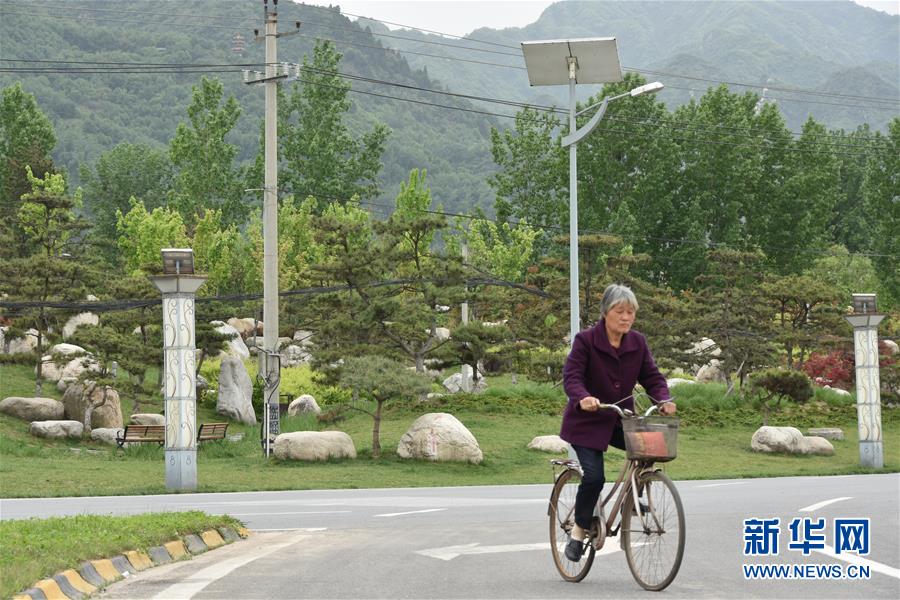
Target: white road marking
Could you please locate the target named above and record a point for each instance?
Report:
(302, 512)
(819, 505)
(721, 484)
(195, 583)
(411, 512)
(858, 560)
(293, 529)
(450, 552)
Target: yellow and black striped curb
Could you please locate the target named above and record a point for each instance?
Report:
(74, 584)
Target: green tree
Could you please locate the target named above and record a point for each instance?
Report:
(380, 379)
(26, 139)
(321, 158)
(142, 234)
(56, 270)
(127, 171)
(531, 181)
(732, 310)
(881, 196)
(206, 174)
(806, 310)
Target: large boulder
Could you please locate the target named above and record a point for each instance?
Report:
(549, 443)
(892, 347)
(107, 415)
(148, 419)
(302, 405)
(67, 349)
(711, 372)
(33, 409)
(235, 397)
(314, 445)
(245, 327)
(79, 320)
(789, 440)
(57, 429)
(678, 381)
(21, 345)
(294, 355)
(439, 437)
(106, 435)
(454, 384)
(236, 346)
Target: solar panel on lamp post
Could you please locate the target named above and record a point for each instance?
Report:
(584, 61)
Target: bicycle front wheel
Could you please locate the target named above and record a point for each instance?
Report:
(562, 520)
(654, 541)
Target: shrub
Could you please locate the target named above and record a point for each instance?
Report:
(769, 388)
(835, 369)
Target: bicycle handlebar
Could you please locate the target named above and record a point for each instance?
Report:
(627, 413)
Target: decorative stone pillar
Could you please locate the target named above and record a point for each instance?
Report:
(179, 378)
(868, 385)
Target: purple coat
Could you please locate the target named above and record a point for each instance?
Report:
(595, 368)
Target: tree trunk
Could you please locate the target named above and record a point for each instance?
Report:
(420, 362)
(39, 372)
(376, 428)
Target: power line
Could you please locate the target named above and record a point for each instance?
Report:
(125, 67)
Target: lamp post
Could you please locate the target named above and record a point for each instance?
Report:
(178, 285)
(570, 62)
(865, 322)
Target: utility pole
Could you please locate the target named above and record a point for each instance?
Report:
(467, 378)
(270, 361)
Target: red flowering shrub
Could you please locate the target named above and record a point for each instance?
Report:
(835, 369)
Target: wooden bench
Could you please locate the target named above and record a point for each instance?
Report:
(211, 432)
(137, 434)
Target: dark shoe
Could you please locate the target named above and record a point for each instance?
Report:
(574, 550)
(644, 509)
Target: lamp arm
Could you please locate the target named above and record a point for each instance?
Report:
(578, 134)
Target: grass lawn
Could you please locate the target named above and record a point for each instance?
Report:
(34, 549)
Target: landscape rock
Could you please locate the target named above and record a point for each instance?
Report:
(454, 384)
(21, 345)
(79, 320)
(33, 409)
(549, 443)
(148, 419)
(314, 445)
(57, 429)
(303, 337)
(245, 327)
(789, 440)
(236, 346)
(66, 349)
(836, 390)
(439, 437)
(892, 347)
(442, 333)
(302, 405)
(108, 415)
(235, 397)
(678, 381)
(813, 444)
(294, 355)
(106, 435)
(829, 433)
(711, 372)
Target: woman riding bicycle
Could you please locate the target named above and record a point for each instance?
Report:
(605, 362)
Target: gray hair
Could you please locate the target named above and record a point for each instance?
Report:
(616, 294)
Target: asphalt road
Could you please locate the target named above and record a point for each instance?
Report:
(491, 542)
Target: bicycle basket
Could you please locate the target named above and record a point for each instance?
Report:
(651, 438)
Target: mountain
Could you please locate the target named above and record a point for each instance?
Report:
(840, 54)
(835, 47)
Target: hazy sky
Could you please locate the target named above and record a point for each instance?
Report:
(459, 17)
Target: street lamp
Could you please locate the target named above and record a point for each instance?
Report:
(865, 320)
(178, 285)
(560, 62)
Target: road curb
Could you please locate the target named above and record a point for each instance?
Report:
(75, 584)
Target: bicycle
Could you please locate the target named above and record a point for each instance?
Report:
(647, 510)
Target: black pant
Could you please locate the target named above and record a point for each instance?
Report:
(593, 479)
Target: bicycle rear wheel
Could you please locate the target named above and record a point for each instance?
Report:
(562, 520)
(654, 541)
